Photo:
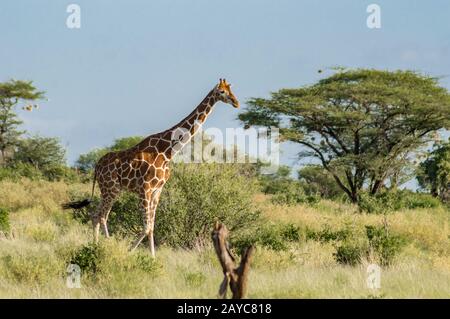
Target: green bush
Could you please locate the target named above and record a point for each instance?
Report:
(60, 172)
(4, 220)
(18, 170)
(386, 246)
(379, 246)
(326, 234)
(196, 196)
(420, 200)
(145, 262)
(292, 193)
(389, 201)
(371, 204)
(349, 253)
(285, 190)
(290, 232)
(125, 218)
(272, 236)
(88, 257)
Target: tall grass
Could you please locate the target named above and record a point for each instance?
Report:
(43, 240)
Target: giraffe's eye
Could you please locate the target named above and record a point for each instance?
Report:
(222, 92)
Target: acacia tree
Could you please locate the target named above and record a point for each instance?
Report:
(361, 125)
(11, 94)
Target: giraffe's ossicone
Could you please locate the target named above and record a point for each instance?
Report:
(144, 168)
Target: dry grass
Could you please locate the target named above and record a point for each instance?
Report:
(34, 256)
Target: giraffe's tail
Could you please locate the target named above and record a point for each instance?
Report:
(76, 204)
(81, 203)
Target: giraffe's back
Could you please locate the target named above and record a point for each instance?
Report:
(132, 169)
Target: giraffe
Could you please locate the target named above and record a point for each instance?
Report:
(144, 168)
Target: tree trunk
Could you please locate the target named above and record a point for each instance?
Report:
(376, 186)
(2, 157)
(235, 277)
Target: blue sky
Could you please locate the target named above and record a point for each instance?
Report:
(138, 67)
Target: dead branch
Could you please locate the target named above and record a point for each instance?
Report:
(235, 277)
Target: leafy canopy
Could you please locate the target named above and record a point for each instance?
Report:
(12, 93)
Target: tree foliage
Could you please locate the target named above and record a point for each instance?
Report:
(434, 172)
(361, 125)
(11, 94)
(318, 180)
(40, 152)
(38, 157)
(86, 162)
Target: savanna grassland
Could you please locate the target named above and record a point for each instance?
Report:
(41, 240)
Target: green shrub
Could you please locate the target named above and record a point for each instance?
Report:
(420, 200)
(380, 246)
(4, 220)
(145, 262)
(389, 201)
(292, 193)
(272, 240)
(18, 170)
(371, 204)
(285, 190)
(386, 246)
(125, 218)
(326, 234)
(349, 253)
(88, 257)
(290, 232)
(60, 172)
(196, 196)
(272, 236)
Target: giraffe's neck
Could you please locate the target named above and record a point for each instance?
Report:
(193, 122)
(172, 140)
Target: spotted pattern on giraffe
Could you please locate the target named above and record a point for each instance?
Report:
(144, 168)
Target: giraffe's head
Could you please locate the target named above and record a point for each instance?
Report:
(223, 91)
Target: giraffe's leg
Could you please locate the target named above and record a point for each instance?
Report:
(96, 227)
(153, 206)
(103, 222)
(145, 207)
(148, 207)
(99, 218)
(104, 219)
